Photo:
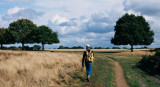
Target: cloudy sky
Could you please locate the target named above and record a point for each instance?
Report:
(79, 22)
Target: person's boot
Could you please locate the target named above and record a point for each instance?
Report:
(88, 78)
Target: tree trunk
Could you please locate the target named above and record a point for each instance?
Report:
(131, 48)
(22, 46)
(42, 46)
(1, 46)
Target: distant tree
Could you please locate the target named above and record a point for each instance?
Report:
(61, 47)
(21, 28)
(116, 48)
(6, 37)
(91, 47)
(124, 48)
(79, 47)
(98, 48)
(43, 35)
(67, 48)
(132, 30)
(36, 47)
(107, 48)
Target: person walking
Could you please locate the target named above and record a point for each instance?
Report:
(88, 59)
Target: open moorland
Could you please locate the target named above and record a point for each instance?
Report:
(61, 68)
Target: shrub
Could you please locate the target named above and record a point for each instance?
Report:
(124, 48)
(155, 50)
(116, 48)
(26, 47)
(78, 47)
(151, 64)
(4, 48)
(36, 47)
(107, 48)
(13, 48)
(99, 48)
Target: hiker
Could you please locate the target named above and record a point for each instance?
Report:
(88, 59)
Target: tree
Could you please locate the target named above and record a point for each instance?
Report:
(36, 47)
(43, 35)
(21, 28)
(132, 30)
(6, 37)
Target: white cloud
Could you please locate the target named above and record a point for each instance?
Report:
(17, 0)
(149, 7)
(79, 22)
(63, 25)
(13, 11)
(17, 13)
(77, 8)
(58, 20)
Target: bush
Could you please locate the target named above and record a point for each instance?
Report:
(28, 48)
(13, 48)
(36, 47)
(4, 48)
(99, 48)
(20, 47)
(116, 48)
(78, 47)
(107, 48)
(151, 64)
(155, 50)
(124, 48)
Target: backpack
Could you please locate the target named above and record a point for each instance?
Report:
(89, 56)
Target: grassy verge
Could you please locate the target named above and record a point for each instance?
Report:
(102, 71)
(134, 76)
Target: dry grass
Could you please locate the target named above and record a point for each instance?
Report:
(138, 52)
(85, 49)
(37, 69)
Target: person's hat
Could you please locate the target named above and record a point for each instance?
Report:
(87, 45)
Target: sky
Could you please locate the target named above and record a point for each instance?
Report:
(81, 22)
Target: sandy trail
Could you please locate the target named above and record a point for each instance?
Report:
(120, 79)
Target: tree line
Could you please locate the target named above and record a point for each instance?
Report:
(129, 30)
(25, 31)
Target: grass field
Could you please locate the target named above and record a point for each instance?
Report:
(59, 68)
(37, 69)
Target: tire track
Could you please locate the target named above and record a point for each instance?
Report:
(97, 74)
(120, 79)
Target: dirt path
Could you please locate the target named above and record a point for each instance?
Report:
(120, 80)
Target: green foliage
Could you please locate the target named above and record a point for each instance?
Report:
(107, 48)
(151, 64)
(21, 28)
(36, 47)
(116, 48)
(78, 47)
(99, 48)
(74, 47)
(6, 37)
(132, 30)
(43, 35)
(13, 48)
(4, 48)
(124, 48)
(61, 47)
(27, 48)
